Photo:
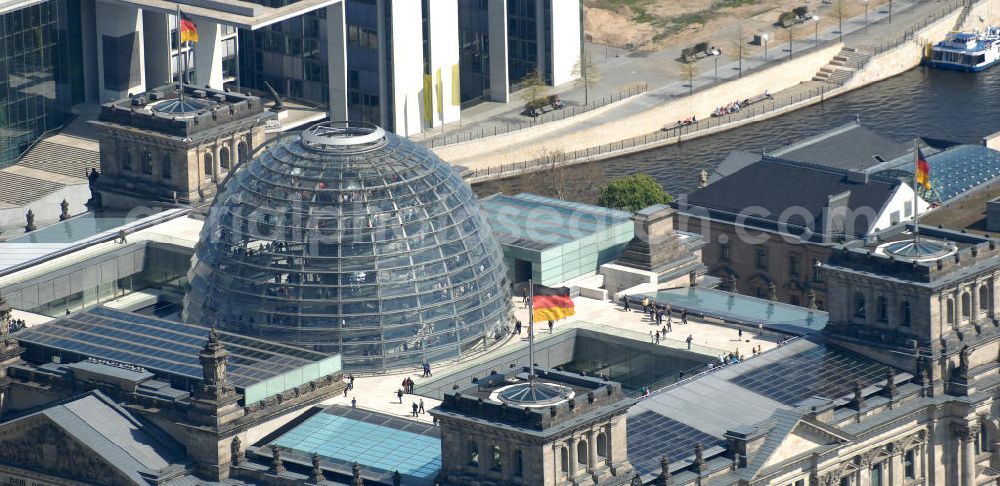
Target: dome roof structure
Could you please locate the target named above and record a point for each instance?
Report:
(348, 239)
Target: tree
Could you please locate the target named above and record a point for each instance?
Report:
(534, 91)
(839, 9)
(632, 193)
(739, 47)
(689, 71)
(587, 74)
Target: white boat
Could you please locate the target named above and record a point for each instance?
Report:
(964, 51)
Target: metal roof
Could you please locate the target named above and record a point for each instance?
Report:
(538, 223)
(956, 170)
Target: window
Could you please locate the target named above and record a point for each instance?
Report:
(473, 454)
(208, 164)
(518, 463)
(224, 158)
(883, 309)
(581, 452)
(966, 305)
(761, 292)
(127, 160)
(909, 467)
(876, 474)
(908, 208)
(894, 217)
(602, 445)
(793, 265)
(817, 276)
(564, 459)
(794, 300)
(845, 481)
(725, 251)
(497, 463)
(761, 257)
(166, 168)
(984, 298)
(904, 314)
(983, 444)
(147, 163)
(950, 304)
(859, 305)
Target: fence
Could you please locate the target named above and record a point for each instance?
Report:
(551, 116)
(678, 132)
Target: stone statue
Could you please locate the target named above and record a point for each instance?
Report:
(772, 291)
(665, 477)
(732, 284)
(962, 372)
(4, 324)
(890, 383)
(92, 177)
(703, 178)
(95, 196)
(278, 105)
(397, 478)
(237, 452)
(699, 458)
(811, 299)
(64, 215)
(356, 480)
(859, 400)
(30, 218)
(316, 476)
(277, 465)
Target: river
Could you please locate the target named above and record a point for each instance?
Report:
(961, 107)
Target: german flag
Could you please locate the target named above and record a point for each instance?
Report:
(189, 31)
(923, 172)
(551, 304)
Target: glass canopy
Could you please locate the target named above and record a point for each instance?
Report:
(349, 239)
(743, 309)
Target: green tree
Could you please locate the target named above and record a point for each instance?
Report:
(632, 193)
(534, 91)
(587, 75)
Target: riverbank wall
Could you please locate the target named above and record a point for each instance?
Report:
(490, 162)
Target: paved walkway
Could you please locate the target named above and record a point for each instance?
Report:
(635, 116)
(379, 392)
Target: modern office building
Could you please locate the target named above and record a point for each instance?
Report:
(406, 65)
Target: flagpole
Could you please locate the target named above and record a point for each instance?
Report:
(180, 72)
(916, 211)
(531, 335)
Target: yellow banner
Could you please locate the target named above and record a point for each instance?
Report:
(440, 92)
(428, 101)
(456, 92)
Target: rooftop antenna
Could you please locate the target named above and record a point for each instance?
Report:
(918, 174)
(531, 337)
(180, 72)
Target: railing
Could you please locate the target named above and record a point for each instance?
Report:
(554, 115)
(667, 133)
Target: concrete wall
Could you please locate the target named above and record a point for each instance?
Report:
(618, 277)
(407, 68)
(208, 54)
(499, 74)
(46, 209)
(157, 51)
(565, 40)
(444, 58)
(495, 150)
(114, 21)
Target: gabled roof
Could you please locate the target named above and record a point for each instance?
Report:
(774, 185)
(851, 146)
(811, 433)
(115, 437)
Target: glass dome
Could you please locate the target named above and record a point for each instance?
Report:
(348, 239)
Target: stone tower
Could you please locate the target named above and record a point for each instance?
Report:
(566, 430)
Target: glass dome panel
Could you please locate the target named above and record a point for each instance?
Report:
(348, 239)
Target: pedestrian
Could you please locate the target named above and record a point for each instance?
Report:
(657, 337)
(350, 381)
(684, 316)
(645, 305)
(651, 339)
(406, 385)
(399, 393)
(740, 330)
(524, 296)
(517, 328)
(652, 313)
(427, 367)
(422, 406)
(760, 328)
(664, 332)
(354, 402)
(551, 324)
(688, 340)
(345, 391)
(625, 302)
(415, 409)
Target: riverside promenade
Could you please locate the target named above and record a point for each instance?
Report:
(635, 124)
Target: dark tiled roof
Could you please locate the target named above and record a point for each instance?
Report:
(851, 146)
(774, 185)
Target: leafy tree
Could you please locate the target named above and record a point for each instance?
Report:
(632, 193)
(534, 91)
(587, 75)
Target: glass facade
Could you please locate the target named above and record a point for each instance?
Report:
(474, 50)
(522, 39)
(290, 55)
(40, 72)
(363, 86)
(348, 239)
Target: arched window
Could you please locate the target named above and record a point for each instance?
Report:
(127, 160)
(581, 452)
(242, 152)
(966, 305)
(208, 164)
(950, 314)
(859, 304)
(883, 309)
(904, 314)
(224, 158)
(497, 460)
(602, 445)
(564, 459)
(983, 444)
(473, 454)
(984, 298)
(147, 163)
(166, 168)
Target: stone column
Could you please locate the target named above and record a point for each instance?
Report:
(974, 303)
(591, 451)
(968, 454)
(556, 462)
(571, 467)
